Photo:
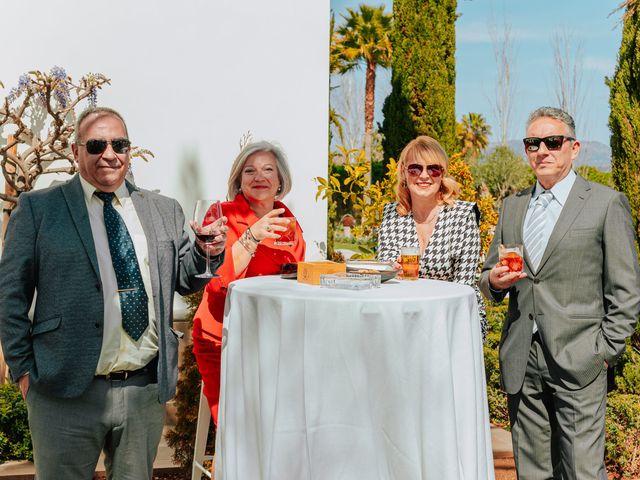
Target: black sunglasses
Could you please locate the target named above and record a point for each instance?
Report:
(415, 169)
(95, 147)
(553, 142)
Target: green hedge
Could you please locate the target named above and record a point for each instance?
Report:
(623, 435)
(15, 439)
(497, 398)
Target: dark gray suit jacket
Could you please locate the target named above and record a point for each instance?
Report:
(49, 249)
(585, 296)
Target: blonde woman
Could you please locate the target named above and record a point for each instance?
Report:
(428, 215)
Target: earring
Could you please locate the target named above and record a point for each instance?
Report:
(279, 189)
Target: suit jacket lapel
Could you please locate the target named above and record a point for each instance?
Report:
(573, 207)
(74, 196)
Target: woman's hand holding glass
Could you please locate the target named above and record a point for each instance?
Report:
(270, 225)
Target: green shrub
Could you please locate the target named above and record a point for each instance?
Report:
(498, 412)
(503, 171)
(628, 372)
(15, 439)
(622, 444)
(594, 175)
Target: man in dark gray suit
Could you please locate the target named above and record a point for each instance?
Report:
(571, 309)
(99, 359)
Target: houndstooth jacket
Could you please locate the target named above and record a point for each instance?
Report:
(452, 253)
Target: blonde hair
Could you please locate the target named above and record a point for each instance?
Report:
(284, 174)
(427, 149)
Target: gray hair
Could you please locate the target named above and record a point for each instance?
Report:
(555, 113)
(284, 174)
(97, 111)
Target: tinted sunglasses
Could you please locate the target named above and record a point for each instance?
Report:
(415, 170)
(553, 142)
(95, 147)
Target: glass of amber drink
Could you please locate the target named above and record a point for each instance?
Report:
(410, 261)
(288, 237)
(511, 256)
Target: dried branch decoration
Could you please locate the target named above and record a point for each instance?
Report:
(245, 139)
(41, 101)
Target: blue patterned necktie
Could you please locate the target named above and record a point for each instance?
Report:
(133, 297)
(534, 235)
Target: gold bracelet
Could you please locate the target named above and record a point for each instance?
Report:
(248, 232)
(246, 247)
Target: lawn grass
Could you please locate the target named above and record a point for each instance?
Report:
(346, 246)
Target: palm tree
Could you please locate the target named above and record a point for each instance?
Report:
(366, 37)
(336, 65)
(473, 134)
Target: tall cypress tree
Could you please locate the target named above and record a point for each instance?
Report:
(624, 119)
(422, 100)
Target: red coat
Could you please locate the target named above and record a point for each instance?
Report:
(207, 322)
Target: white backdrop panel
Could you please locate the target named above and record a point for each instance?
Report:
(191, 78)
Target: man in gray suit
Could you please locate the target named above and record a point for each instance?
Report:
(99, 359)
(571, 309)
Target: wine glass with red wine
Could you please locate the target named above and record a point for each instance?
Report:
(205, 213)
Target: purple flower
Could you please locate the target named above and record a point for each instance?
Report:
(23, 82)
(61, 93)
(93, 97)
(58, 72)
(14, 93)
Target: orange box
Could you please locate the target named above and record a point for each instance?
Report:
(309, 272)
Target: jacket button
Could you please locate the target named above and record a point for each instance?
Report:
(530, 316)
(536, 281)
(97, 324)
(97, 286)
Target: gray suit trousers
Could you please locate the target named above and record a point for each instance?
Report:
(557, 433)
(123, 418)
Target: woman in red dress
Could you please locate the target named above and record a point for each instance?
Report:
(259, 178)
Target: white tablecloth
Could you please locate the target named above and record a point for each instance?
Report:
(331, 384)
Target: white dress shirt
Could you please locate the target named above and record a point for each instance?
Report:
(119, 350)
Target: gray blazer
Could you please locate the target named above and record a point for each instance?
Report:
(49, 249)
(585, 296)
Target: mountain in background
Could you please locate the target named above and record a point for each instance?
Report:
(592, 153)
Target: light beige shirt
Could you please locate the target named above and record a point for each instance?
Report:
(119, 350)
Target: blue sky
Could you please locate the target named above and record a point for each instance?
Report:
(532, 25)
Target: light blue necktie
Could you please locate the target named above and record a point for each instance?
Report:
(133, 296)
(534, 235)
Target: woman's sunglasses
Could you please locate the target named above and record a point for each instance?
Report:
(553, 142)
(96, 147)
(415, 170)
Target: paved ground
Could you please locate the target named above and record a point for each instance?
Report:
(165, 468)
